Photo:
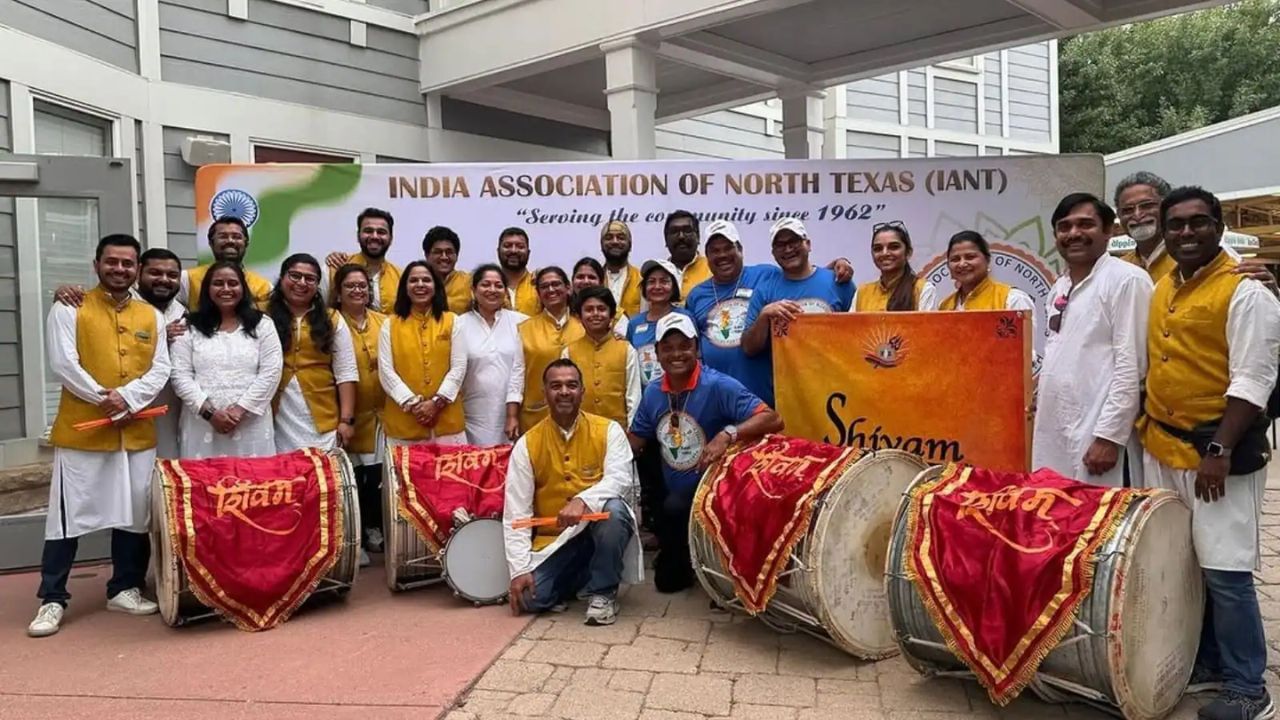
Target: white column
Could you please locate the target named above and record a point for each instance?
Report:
(802, 127)
(631, 88)
(835, 123)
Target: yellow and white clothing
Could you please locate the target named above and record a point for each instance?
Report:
(625, 286)
(547, 468)
(1159, 264)
(228, 369)
(1091, 378)
(167, 424)
(422, 355)
(190, 281)
(522, 295)
(382, 285)
(495, 373)
(102, 477)
(457, 288)
(1210, 337)
(366, 446)
(874, 296)
(610, 377)
(307, 402)
(543, 339)
(695, 273)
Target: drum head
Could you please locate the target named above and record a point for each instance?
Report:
(1157, 609)
(847, 549)
(475, 561)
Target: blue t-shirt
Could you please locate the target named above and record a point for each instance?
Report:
(720, 312)
(642, 334)
(715, 402)
(818, 293)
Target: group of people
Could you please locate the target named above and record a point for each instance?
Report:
(1158, 371)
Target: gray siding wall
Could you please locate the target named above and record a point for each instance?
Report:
(916, 86)
(489, 121)
(291, 54)
(874, 99)
(11, 425)
(917, 148)
(721, 134)
(405, 7)
(873, 145)
(104, 29)
(992, 96)
(180, 194)
(1029, 92)
(955, 105)
(950, 149)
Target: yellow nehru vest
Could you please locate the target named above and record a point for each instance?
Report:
(458, 289)
(1158, 269)
(563, 468)
(526, 293)
(388, 281)
(116, 344)
(604, 375)
(988, 295)
(629, 303)
(259, 287)
(370, 396)
(314, 370)
(874, 296)
(543, 343)
(697, 271)
(1187, 355)
(420, 347)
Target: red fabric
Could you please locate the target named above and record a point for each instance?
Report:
(757, 503)
(1003, 560)
(435, 480)
(255, 534)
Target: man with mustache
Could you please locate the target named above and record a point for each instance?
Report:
(441, 246)
(229, 240)
(621, 277)
(374, 230)
(513, 258)
(159, 276)
(1095, 356)
(111, 359)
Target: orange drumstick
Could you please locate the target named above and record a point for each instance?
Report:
(545, 521)
(140, 415)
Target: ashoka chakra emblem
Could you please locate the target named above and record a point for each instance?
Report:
(236, 203)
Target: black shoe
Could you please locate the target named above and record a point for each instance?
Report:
(1234, 706)
(1204, 680)
(670, 575)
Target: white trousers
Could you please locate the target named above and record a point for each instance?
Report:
(1224, 533)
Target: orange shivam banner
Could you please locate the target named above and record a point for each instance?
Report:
(436, 480)
(255, 535)
(973, 530)
(948, 386)
(756, 504)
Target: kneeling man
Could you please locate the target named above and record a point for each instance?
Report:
(570, 464)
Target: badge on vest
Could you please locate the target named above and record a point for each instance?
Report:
(143, 335)
(642, 328)
(743, 293)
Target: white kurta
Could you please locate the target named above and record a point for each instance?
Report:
(295, 428)
(1093, 368)
(89, 490)
(228, 369)
(1225, 533)
(399, 391)
(616, 482)
(167, 424)
(495, 373)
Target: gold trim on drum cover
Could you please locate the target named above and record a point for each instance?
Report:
(765, 584)
(409, 507)
(214, 596)
(1104, 523)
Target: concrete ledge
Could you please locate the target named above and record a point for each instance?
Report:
(25, 488)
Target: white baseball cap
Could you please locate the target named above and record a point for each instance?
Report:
(676, 322)
(723, 228)
(788, 223)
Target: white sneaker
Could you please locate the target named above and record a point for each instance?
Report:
(131, 601)
(373, 540)
(364, 558)
(601, 610)
(48, 620)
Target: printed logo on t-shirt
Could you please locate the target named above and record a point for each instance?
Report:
(681, 439)
(650, 369)
(813, 306)
(725, 323)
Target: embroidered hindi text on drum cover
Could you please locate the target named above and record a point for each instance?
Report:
(1003, 560)
(255, 535)
(757, 504)
(436, 479)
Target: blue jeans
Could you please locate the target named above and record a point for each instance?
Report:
(1231, 641)
(589, 564)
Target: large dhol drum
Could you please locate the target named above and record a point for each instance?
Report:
(408, 560)
(178, 604)
(833, 587)
(1135, 637)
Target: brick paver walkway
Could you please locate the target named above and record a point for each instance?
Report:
(671, 658)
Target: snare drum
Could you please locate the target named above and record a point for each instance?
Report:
(1135, 636)
(408, 560)
(475, 561)
(179, 606)
(833, 588)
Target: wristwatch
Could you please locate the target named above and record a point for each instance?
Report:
(1215, 449)
(732, 432)
(206, 413)
(347, 421)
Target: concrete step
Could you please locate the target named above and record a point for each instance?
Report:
(25, 488)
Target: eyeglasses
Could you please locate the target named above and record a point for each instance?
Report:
(553, 285)
(304, 278)
(355, 286)
(1144, 207)
(1060, 304)
(1197, 223)
(892, 225)
(443, 251)
(682, 231)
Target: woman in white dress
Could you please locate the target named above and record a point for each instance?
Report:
(315, 403)
(226, 368)
(494, 384)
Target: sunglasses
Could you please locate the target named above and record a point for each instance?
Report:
(1060, 305)
(892, 225)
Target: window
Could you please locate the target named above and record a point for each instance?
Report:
(267, 154)
(969, 63)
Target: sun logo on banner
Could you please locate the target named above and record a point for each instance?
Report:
(885, 349)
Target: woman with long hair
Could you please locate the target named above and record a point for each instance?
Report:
(544, 337)
(352, 293)
(588, 272)
(422, 363)
(494, 385)
(899, 289)
(660, 282)
(226, 369)
(316, 400)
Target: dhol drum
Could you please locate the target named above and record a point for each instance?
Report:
(833, 587)
(475, 561)
(1135, 637)
(179, 606)
(408, 560)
